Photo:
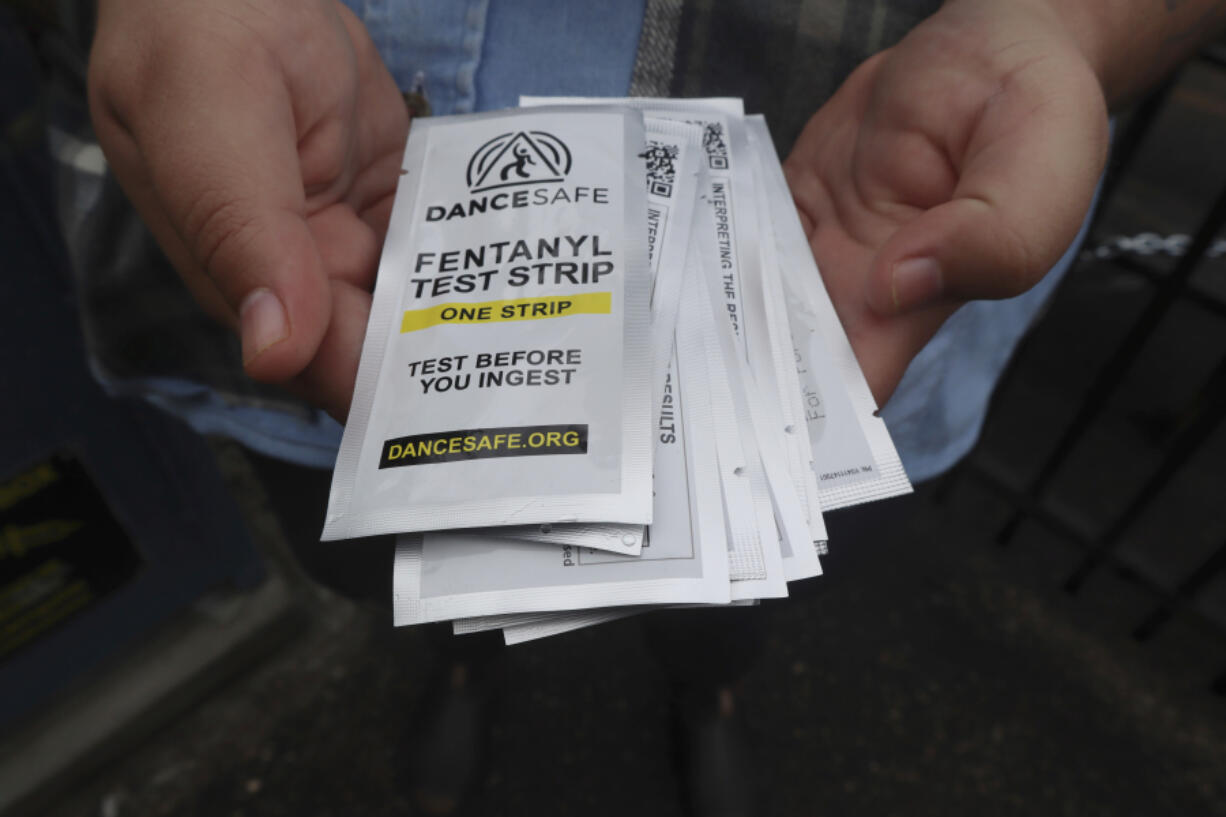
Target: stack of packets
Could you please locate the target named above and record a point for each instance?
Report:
(601, 373)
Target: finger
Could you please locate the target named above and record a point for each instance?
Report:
(328, 381)
(374, 189)
(378, 216)
(347, 244)
(1025, 182)
(885, 348)
(220, 154)
(883, 344)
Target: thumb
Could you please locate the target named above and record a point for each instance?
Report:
(219, 149)
(1024, 187)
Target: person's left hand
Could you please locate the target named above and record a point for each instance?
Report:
(958, 164)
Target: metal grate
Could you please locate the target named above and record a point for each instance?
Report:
(1195, 421)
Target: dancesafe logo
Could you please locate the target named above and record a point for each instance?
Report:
(517, 158)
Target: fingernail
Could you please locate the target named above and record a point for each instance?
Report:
(262, 322)
(916, 282)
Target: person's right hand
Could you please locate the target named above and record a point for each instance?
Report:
(261, 142)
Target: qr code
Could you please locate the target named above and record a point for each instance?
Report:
(661, 168)
(716, 147)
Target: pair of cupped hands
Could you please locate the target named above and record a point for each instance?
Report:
(262, 143)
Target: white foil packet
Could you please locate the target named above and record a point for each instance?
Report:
(853, 455)
(755, 559)
(730, 251)
(564, 623)
(748, 480)
(732, 266)
(463, 574)
(772, 351)
(506, 372)
(670, 164)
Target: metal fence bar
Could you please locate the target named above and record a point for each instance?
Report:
(1062, 527)
(1204, 419)
(1036, 511)
(1186, 591)
(1113, 371)
(1202, 300)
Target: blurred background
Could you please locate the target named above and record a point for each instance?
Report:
(1042, 630)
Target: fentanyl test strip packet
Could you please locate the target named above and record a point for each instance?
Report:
(855, 459)
(733, 245)
(506, 373)
(445, 576)
(735, 414)
(670, 164)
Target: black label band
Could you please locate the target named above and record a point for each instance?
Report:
(483, 444)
